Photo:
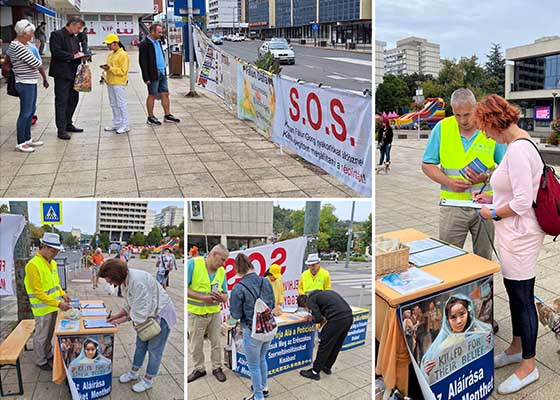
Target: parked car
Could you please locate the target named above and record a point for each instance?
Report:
(279, 50)
(217, 39)
(241, 36)
(236, 38)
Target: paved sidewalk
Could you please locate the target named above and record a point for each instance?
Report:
(169, 384)
(406, 198)
(209, 154)
(351, 379)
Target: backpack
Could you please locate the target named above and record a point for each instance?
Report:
(547, 205)
(264, 326)
(8, 73)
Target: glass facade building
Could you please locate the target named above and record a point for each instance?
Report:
(305, 12)
(257, 11)
(339, 10)
(537, 73)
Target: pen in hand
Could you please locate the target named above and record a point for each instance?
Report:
(109, 316)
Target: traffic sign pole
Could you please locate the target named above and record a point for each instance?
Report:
(192, 74)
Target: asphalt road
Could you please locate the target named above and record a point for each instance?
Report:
(355, 285)
(336, 68)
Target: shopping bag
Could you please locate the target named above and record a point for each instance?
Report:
(82, 83)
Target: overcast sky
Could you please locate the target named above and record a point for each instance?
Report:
(343, 208)
(467, 27)
(81, 214)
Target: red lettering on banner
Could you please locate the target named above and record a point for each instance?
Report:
(294, 114)
(2, 265)
(336, 104)
(280, 252)
(316, 125)
(2, 283)
(256, 256)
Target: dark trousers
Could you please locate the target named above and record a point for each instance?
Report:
(332, 337)
(524, 319)
(65, 102)
(41, 47)
(385, 153)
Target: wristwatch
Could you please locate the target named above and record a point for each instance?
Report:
(495, 215)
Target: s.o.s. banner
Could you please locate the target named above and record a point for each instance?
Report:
(449, 337)
(330, 128)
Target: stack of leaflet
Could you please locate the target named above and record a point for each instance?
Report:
(85, 304)
(430, 251)
(410, 281)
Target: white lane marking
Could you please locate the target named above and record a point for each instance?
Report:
(338, 77)
(367, 63)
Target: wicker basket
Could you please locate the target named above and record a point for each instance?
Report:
(393, 262)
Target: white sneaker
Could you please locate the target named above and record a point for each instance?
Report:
(514, 384)
(129, 376)
(502, 359)
(142, 386)
(123, 130)
(109, 129)
(34, 143)
(25, 148)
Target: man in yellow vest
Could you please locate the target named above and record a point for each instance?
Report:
(314, 277)
(206, 292)
(454, 143)
(46, 297)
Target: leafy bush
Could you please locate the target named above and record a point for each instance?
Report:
(358, 258)
(144, 254)
(269, 63)
(554, 137)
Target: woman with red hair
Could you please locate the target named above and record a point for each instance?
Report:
(520, 238)
(385, 141)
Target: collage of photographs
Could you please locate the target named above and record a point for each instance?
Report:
(245, 199)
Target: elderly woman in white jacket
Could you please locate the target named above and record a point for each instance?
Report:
(144, 298)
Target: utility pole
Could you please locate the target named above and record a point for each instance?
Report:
(349, 243)
(192, 73)
(311, 226)
(21, 256)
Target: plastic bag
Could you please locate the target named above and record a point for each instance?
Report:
(82, 83)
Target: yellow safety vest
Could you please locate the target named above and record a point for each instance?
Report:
(453, 158)
(310, 282)
(202, 285)
(50, 284)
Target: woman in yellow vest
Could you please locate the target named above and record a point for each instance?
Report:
(274, 276)
(46, 297)
(315, 277)
(116, 77)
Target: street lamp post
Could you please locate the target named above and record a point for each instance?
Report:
(554, 115)
(192, 91)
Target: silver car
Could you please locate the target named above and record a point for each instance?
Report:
(280, 50)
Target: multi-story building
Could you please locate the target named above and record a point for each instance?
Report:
(150, 221)
(121, 219)
(224, 15)
(533, 82)
(235, 224)
(77, 233)
(413, 55)
(170, 216)
(340, 21)
(380, 47)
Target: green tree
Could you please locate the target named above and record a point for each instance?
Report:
(327, 224)
(4, 209)
(154, 237)
(69, 240)
(391, 95)
(138, 239)
(367, 228)
(495, 70)
(413, 81)
(104, 241)
(297, 220)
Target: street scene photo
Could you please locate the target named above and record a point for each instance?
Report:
(279, 298)
(91, 297)
(227, 98)
(466, 258)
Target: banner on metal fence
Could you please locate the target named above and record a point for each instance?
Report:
(11, 226)
(330, 128)
(218, 74)
(255, 96)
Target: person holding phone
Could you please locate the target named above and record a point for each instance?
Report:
(116, 77)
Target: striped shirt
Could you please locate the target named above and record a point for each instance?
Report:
(24, 64)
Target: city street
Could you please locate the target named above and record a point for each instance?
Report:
(210, 153)
(336, 68)
(353, 283)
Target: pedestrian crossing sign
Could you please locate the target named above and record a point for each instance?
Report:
(51, 212)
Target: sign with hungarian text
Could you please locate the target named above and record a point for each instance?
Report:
(328, 127)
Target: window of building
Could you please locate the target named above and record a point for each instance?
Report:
(537, 73)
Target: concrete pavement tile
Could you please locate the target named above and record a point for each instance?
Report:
(42, 191)
(232, 175)
(49, 391)
(206, 148)
(146, 151)
(185, 167)
(157, 182)
(200, 388)
(114, 163)
(258, 145)
(177, 149)
(224, 165)
(264, 173)
(71, 190)
(336, 385)
(124, 391)
(149, 160)
(250, 162)
(76, 177)
(5, 181)
(89, 156)
(194, 179)
(202, 190)
(227, 139)
(33, 169)
(276, 185)
(115, 186)
(165, 388)
(78, 165)
(150, 170)
(44, 158)
(116, 153)
(311, 182)
(241, 189)
(218, 156)
(357, 395)
(295, 170)
(32, 181)
(291, 194)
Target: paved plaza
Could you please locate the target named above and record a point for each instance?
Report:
(406, 198)
(168, 385)
(209, 154)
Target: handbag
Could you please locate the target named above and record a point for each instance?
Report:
(150, 328)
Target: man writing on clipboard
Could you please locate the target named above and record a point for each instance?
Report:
(454, 143)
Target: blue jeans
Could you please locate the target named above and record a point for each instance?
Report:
(27, 106)
(385, 151)
(155, 349)
(159, 86)
(255, 352)
(524, 318)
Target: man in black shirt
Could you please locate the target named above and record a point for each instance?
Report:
(327, 306)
